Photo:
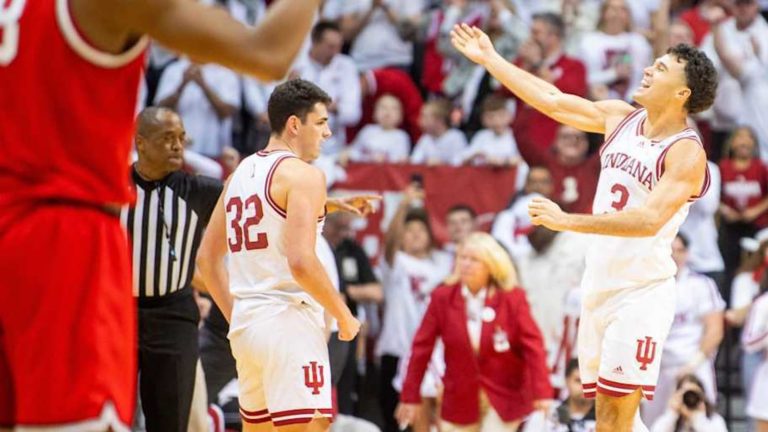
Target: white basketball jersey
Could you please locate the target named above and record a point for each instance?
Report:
(258, 267)
(631, 165)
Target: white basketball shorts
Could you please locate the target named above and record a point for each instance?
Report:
(621, 338)
(283, 371)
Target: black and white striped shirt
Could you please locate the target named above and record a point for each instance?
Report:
(165, 227)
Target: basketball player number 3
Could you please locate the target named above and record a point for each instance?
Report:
(242, 232)
(622, 196)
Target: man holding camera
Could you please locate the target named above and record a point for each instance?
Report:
(689, 410)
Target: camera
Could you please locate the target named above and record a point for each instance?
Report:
(692, 399)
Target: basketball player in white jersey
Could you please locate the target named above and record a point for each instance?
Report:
(267, 222)
(653, 165)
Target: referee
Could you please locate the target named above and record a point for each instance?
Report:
(165, 227)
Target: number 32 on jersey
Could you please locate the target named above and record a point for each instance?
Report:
(10, 13)
(241, 234)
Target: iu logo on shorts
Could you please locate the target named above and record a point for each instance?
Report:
(646, 352)
(313, 377)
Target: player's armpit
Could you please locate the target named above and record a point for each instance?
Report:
(210, 34)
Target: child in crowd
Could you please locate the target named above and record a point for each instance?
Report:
(440, 144)
(382, 141)
(494, 144)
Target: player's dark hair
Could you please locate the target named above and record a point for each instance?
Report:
(553, 20)
(462, 208)
(318, 31)
(296, 97)
(573, 364)
(683, 239)
(700, 76)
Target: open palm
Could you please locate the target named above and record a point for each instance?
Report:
(472, 42)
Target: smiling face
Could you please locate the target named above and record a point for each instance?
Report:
(472, 270)
(663, 83)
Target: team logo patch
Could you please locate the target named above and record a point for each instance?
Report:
(646, 352)
(314, 377)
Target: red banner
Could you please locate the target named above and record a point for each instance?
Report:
(487, 190)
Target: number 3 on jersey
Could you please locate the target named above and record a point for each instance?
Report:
(241, 234)
(622, 196)
(9, 30)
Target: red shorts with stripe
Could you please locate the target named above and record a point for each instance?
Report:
(621, 338)
(67, 319)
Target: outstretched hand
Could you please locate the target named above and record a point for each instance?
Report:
(360, 205)
(472, 43)
(546, 213)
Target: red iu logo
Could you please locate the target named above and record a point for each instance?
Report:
(646, 352)
(313, 377)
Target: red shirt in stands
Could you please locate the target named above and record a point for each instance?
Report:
(67, 117)
(574, 185)
(742, 189)
(700, 27)
(400, 85)
(531, 127)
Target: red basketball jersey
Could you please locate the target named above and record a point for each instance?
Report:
(66, 109)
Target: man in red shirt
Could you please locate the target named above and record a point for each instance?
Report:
(574, 172)
(69, 79)
(542, 55)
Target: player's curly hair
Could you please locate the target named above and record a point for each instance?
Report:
(296, 97)
(700, 75)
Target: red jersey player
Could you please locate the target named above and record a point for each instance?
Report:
(69, 75)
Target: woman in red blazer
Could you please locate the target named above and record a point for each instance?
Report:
(496, 370)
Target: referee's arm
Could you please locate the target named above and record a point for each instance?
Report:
(210, 259)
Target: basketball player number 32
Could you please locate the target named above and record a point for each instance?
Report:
(243, 236)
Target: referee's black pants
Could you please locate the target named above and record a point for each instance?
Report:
(167, 360)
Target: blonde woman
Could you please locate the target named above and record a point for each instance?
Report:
(496, 371)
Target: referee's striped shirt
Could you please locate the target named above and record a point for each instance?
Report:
(165, 227)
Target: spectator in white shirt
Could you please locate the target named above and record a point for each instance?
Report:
(337, 74)
(382, 141)
(689, 410)
(206, 97)
(754, 340)
(460, 222)
(751, 72)
(380, 31)
(439, 143)
(614, 55)
(694, 337)
(700, 228)
(495, 144)
(745, 36)
(512, 225)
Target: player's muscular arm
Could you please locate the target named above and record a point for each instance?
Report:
(305, 199)
(206, 34)
(575, 111)
(683, 177)
(210, 259)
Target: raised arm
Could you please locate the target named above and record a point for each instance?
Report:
(397, 224)
(685, 165)
(575, 111)
(207, 34)
(305, 199)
